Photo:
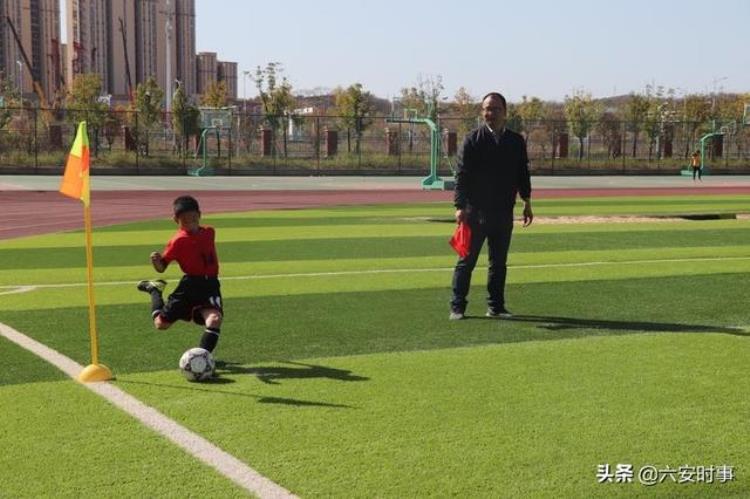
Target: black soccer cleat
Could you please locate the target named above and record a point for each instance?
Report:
(149, 286)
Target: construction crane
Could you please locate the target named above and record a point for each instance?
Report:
(127, 62)
(43, 104)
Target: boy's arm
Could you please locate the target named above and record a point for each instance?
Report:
(158, 262)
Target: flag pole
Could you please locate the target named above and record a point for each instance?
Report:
(94, 371)
(90, 278)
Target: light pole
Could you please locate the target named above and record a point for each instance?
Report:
(168, 30)
(245, 75)
(716, 81)
(20, 78)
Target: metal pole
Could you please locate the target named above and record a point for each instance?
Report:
(137, 145)
(229, 152)
(36, 143)
(168, 29)
(185, 142)
(20, 78)
(399, 147)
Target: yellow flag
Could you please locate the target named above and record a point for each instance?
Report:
(75, 182)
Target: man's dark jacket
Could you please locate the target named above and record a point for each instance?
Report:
(491, 171)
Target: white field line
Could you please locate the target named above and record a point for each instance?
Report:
(192, 443)
(16, 289)
(22, 288)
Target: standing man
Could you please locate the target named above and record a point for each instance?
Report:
(695, 164)
(492, 169)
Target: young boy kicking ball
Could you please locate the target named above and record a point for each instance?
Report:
(197, 297)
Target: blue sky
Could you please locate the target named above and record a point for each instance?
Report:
(536, 48)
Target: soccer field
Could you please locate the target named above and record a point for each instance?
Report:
(339, 374)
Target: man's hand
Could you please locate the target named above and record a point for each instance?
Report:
(158, 262)
(528, 215)
(461, 215)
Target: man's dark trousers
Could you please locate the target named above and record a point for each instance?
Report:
(497, 232)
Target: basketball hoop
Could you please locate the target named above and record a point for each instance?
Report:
(729, 129)
(219, 118)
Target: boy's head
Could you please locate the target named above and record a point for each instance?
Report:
(185, 203)
(187, 213)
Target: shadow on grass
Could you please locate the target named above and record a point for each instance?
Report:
(554, 323)
(272, 374)
(262, 399)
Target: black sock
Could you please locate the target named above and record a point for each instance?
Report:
(157, 302)
(210, 338)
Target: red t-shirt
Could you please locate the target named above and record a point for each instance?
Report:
(196, 253)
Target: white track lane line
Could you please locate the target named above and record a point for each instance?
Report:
(195, 445)
(397, 271)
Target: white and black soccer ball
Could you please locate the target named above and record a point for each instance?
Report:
(197, 364)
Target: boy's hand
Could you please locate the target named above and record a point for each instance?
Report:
(157, 261)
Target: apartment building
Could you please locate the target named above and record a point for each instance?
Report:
(227, 72)
(128, 42)
(211, 70)
(37, 24)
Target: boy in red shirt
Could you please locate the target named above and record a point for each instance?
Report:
(198, 295)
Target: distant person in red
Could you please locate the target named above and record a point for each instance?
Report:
(695, 164)
(197, 297)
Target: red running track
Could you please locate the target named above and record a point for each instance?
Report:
(26, 213)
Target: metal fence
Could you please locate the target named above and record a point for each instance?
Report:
(122, 142)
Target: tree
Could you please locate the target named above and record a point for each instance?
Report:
(554, 123)
(660, 112)
(731, 107)
(276, 97)
(83, 104)
(582, 112)
(215, 95)
(148, 110)
(354, 106)
(513, 118)
(635, 113)
(13, 116)
(467, 110)
(608, 127)
(530, 111)
(185, 118)
(112, 125)
(423, 99)
(11, 98)
(731, 110)
(522, 116)
(697, 110)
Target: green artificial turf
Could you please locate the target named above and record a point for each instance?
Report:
(340, 375)
(61, 440)
(520, 420)
(312, 325)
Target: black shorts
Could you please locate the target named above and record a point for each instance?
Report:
(193, 294)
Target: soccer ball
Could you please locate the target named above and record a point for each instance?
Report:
(197, 364)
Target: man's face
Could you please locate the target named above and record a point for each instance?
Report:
(493, 112)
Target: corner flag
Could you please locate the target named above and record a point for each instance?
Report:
(75, 182)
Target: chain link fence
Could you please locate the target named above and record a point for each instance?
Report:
(122, 142)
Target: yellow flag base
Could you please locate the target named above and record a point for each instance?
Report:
(95, 372)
